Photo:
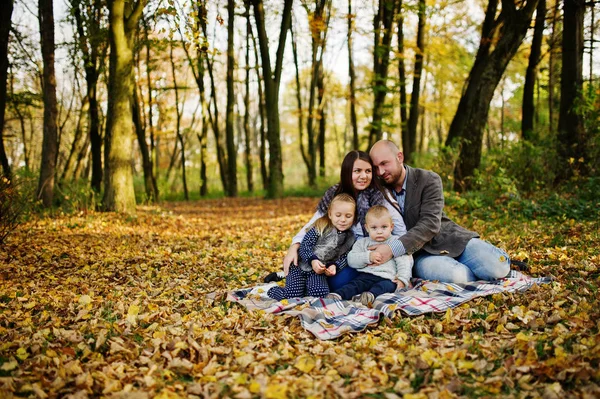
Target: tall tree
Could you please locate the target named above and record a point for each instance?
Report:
(531, 74)
(247, 131)
(140, 132)
(272, 79)
(352, 77)
(382, 23)
(500, 40)
(6, 9)
(413, 117)
(229, 119)
(92, 44)
(571, 133)
(178, 114)
(553, 43)
(118, 187)
(45, 190)
(406, 143)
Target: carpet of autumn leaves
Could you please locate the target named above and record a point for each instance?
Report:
(105, 305)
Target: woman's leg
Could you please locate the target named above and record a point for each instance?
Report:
(341, 278)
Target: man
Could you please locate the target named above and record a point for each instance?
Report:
(442, 249)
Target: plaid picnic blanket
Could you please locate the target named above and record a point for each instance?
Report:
(329, 318)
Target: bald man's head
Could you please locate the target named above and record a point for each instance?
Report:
(388, 163)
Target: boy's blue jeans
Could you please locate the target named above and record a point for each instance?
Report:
(479, 261)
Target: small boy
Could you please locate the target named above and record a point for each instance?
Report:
(374, 280)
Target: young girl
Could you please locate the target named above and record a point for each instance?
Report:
(322, 252)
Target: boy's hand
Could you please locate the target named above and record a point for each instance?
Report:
(375, 258)
(399, 284)
(318, 266)
(330, 270)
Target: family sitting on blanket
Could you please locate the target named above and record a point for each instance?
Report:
(442, 250)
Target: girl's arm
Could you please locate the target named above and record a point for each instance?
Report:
(307, 246)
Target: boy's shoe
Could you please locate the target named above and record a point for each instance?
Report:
(274, 277)
(367, 298)
(333, 295)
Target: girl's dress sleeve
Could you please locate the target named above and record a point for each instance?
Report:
(308, 244)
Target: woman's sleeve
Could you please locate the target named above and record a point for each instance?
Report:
(300, 235)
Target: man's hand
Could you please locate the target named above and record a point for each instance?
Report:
(375, 258)
(318, 266)
(330, 270)
(290, 257)
(384, 250)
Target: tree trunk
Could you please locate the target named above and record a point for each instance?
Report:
(6, 9)
(307, 156)
(322, 120)
(119, 194)
(78, 135)
(247, 131)
(352, 76)
(571, 133)
(179, 111)
(507, 33)
(149, 180)
(382, 22)
(407, 145)
(553, 44)
(45, 190)
(413, 118)
(232, 189)
(153, 152)
(272, 82)
(531, 74)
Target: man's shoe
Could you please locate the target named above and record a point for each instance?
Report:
(274, 277)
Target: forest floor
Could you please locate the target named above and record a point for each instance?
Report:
(105, 305)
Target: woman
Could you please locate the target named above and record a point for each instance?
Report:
(356, 179)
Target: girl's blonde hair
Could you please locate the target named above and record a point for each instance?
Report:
(324, 222)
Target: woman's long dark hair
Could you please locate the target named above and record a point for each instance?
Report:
(345, 185)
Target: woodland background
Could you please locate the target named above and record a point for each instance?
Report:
(145, 107)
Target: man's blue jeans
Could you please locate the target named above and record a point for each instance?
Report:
(479, 261)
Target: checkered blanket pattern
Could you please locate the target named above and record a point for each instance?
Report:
(328, 318)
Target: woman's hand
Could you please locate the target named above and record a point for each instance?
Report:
(318, 266)
(330, 270)
(291, 257)
(384, 250)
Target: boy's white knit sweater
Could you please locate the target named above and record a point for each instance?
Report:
(397, 268)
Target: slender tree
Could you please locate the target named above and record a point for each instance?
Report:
(500, 40)
(571, 133)
(272, 79)
(247, 131)
(528, 109)
(406, 143)
(178, 114)
(382, 22)
(553, 43)
(352, 78)
(6, 9)
(92, 45)
(118, 187)
(45, 190)
(232, 189)
(413, 117)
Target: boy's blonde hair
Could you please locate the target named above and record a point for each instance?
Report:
(377, 211)
(324, 221)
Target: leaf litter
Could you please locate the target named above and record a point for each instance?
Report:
(104, 305)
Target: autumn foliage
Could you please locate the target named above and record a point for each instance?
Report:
(102, 305)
